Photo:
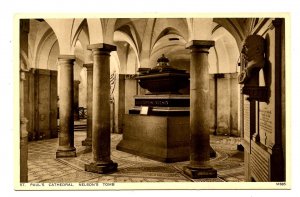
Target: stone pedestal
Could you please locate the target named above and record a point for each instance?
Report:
(161, 138)
(101, 110)
(163, 134)
(89, 69)
(199, 106)
(66, 114)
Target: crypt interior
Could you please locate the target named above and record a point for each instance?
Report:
(152, 100)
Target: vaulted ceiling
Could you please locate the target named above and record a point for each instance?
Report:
(140, 41)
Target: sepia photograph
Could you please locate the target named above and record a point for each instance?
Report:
(170, 102)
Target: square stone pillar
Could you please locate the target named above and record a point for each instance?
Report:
(23, 134)
(89, 69)
(76, 99)
(53, 104)
(66, 113)
(121, 108)
(101, 110)
(199, 106)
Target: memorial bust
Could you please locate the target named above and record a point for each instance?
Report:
(254, 55)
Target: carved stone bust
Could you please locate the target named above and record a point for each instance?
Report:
(254, 55)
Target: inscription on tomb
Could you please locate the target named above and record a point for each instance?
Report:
(163, 102)
(247, 120)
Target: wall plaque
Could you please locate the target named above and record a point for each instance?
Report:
(265, 124)
(246, 119)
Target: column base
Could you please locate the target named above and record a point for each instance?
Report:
(212, 153)
(71, 152)
(87, 142)
(200, 172)
(101, 168)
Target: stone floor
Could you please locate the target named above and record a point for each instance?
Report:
(44, 167)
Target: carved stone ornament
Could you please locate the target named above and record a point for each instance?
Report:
(253, 53)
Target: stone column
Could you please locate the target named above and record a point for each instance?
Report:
(66, 114)
(76, 99)
(23, 134)
(89, 70)
(101, 110)
(199, 106)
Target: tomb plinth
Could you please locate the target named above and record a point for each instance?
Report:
(158, 126)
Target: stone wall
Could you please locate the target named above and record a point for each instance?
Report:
(40, 92)
(224, 104)
(263, 120)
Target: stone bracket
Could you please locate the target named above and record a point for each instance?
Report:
(258, 93)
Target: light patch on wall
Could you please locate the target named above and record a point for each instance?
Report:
(223, 58)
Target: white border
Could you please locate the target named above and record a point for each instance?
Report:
(9, 8)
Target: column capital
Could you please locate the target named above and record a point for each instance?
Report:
(200, 44)
(67, 57)
(102, 47)
(88, 66)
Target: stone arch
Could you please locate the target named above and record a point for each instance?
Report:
(166, 31)
(233, 28)
(95, 30)
(52, 58)
(121, 36)
(162, 27)
(199, 28)
(178, 55)
(109, 25)
(158, 34)
(168, 40)
(79, 59)
(190, 29)
(63, 31)
(43, 49)
(225, 51)
(171, 41)
(77, 29)
(131, 31)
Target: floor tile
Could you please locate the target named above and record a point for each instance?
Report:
(44, 167)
